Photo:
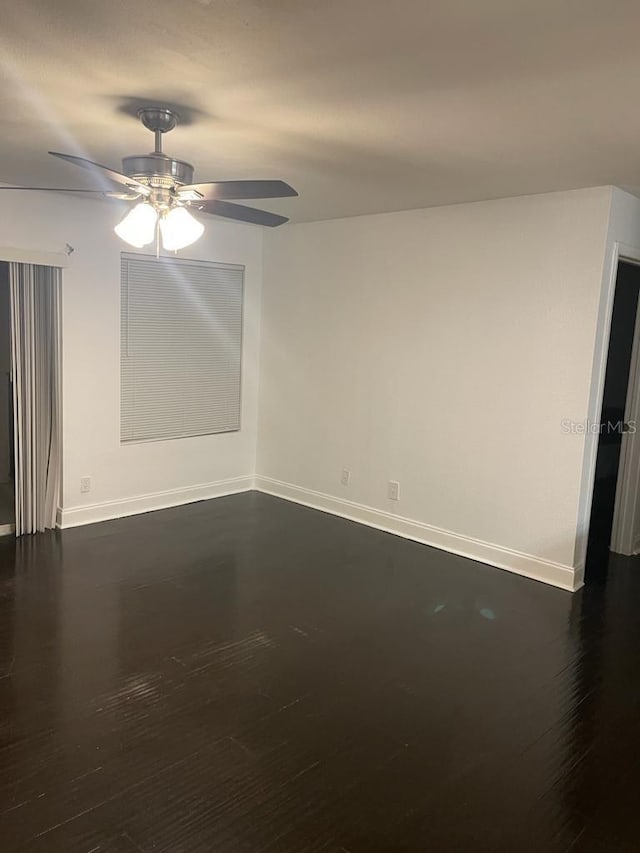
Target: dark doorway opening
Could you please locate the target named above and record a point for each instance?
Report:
(612, 424)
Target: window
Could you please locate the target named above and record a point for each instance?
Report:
(180, 345)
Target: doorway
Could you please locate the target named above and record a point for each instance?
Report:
(7, 485)
(614, 426)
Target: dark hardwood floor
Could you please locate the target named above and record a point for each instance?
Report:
(249, 675)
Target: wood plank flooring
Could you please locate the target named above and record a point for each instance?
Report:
(246, 674)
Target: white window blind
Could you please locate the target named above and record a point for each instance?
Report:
(181, 343)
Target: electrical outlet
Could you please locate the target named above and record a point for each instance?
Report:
(85, 485)
(345, 477)
(393, 490)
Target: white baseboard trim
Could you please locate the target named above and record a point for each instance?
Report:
(556, 574)
(564, 577)
(91, 513)
(7, 529)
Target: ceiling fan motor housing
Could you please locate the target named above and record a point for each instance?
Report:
(146, 167)
(163, 174)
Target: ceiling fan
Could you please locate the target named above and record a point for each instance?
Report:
(165, 194)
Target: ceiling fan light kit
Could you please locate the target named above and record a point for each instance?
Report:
(164, 195)
(179, 229)
(138, 228)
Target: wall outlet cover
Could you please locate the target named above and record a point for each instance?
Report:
(393, 490)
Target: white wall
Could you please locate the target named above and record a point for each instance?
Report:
(441, 348)
(129, 478)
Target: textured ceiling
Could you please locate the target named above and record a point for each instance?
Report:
(363, 105)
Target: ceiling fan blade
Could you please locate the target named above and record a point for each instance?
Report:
(105, 172)
(239, 212)
(238, 190)
(117, 195)
(52, 190)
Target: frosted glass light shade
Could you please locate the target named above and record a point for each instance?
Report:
(179, 229)
(138, 228)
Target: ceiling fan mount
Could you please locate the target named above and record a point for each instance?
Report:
(158, 119)
(164, 189)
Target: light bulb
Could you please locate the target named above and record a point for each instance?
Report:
(138, 228)
(179, 229)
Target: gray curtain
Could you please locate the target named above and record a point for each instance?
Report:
(35, 355)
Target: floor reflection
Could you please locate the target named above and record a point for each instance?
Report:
(604, 729)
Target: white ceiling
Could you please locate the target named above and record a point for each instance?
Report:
(363, 105)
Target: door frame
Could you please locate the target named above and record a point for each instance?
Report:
(622, 533)
(619, 252)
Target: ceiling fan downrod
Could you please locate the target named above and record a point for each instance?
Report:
(158, 120)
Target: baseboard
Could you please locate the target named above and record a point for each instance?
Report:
(92, 513)
(556, 574)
